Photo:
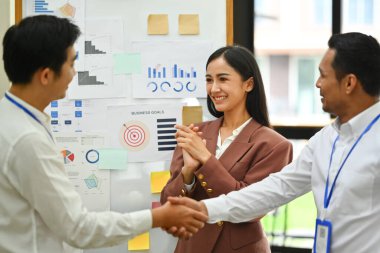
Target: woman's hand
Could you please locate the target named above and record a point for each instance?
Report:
(189, 167)
(189, 140)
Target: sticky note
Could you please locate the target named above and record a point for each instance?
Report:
(140, 242)
(127, 63)
(191, 114)
(158, 24)
(188, 24)
(158, 180)
(113, 159)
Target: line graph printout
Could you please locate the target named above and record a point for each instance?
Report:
(105, 34)
(171, 69)
(145, 131)
(97, 76)
(80, 155)
(98, 80)
(103, 38)
(97, 46)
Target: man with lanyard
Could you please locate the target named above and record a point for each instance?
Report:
(40, 209)
(340, 164)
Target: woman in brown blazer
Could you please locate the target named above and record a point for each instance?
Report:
(235, 150)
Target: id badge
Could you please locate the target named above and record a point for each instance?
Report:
(322, 237)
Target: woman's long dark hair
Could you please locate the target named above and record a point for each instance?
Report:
(243, 62)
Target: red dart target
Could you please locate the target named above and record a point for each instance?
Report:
(134, 135)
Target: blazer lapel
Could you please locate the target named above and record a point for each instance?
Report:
(239, 146)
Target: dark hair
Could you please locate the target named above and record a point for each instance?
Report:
(243, 62)
(357, 54)
(37, 42)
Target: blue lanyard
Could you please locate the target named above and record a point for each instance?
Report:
(328, 195)
(28, 112)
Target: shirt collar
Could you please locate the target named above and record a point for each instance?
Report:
(41, 116)
(237, 131)
(357, 124)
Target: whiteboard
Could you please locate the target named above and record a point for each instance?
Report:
(130, 189)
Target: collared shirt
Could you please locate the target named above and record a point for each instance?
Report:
(221, 147)
(40, 209)
(355, 204)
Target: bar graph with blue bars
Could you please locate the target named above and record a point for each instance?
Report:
(177, 72)
(41, 6)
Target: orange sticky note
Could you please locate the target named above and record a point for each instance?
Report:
(140, 242)
(158, 24)
(188, 24)
(158, 180)
(191, 114)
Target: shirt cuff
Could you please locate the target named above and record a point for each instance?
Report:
(217, 209)
(141, 221)
(188, 187)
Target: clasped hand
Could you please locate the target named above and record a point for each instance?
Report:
(189, 139)
(195, 217)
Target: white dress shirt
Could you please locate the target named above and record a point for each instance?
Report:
(354, 209)
(40, 209)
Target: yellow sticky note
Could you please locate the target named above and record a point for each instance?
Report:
(191, 115)
(158, 180)
(140, 242)
(158, 24)
(188, 24)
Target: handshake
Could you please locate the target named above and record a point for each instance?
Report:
(180, 216)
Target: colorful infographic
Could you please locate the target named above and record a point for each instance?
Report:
(168, 70)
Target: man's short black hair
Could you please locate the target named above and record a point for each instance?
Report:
(357, 54)
(37, 42)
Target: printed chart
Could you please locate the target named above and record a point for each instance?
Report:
(170, 71)
(68, 157)
(81, 157)
(134, 135)
(147, 131)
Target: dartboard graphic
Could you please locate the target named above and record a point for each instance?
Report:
(134, 135)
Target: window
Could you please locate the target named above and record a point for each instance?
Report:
(292, 225)
(322, 12)
(361, 16)
(360, 11)
(289, 44)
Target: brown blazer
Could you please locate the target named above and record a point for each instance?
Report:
(255, 153)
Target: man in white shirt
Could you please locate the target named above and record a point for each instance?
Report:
(40, 209)
(340, 164)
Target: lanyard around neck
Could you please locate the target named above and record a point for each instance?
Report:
(328, 195)
(29, 113)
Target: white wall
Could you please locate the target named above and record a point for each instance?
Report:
(7, 18)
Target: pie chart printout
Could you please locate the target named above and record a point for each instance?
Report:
(68, 156)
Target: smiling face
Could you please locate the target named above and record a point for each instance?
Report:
(62, 80)
(226, 87)
(331, 90)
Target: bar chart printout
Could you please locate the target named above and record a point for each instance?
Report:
(42, 7)
(56, 7)
(175, 72)
(171, 70)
